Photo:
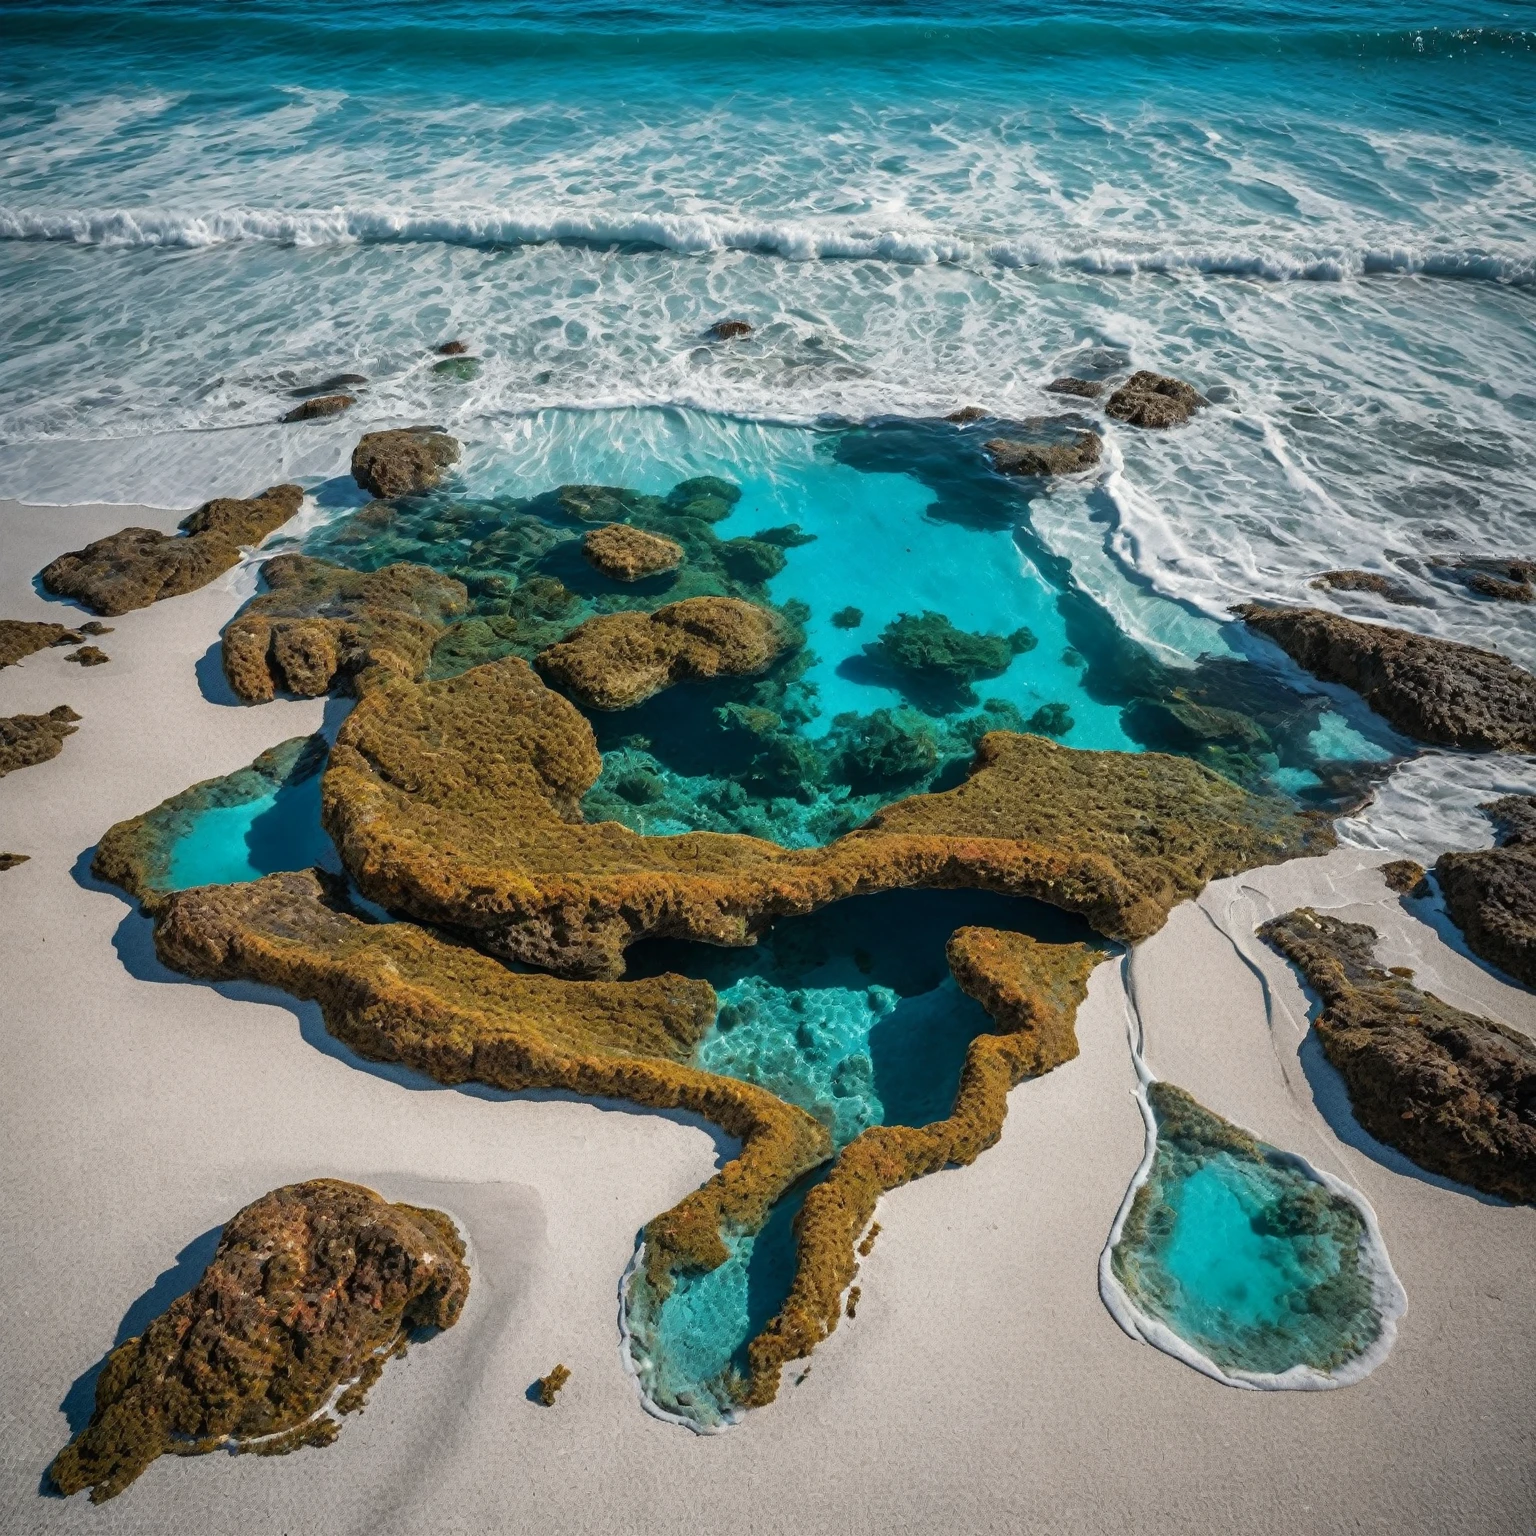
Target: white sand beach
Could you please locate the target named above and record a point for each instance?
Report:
(983, 1385)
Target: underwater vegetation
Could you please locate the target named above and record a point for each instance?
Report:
(944, 661)
(1247, 1258)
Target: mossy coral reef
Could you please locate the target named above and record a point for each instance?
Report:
(630, 554)
(311, 1289)
(138, 566)
(457, 802)
(29, 739)
(403, 461)
(1451, 1090)
(20, 638)
(1490, 893)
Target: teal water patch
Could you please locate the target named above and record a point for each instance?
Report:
(1250, 1259)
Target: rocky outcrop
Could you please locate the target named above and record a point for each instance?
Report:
(1490, 894)
(629, 554)
(1438, 691)
(311, 1289)
(11, 860)
(620, 659)
(1083, 389)
(318, 625)
(457, 802)
(20, 638)
(1154, 400)
(403, 461)
(728, 330)
(1387, 587)
(1451, 1090)
(966, 415)
(139, 566)
(1047, 454)
(453, 349)
(1507, 580)
(1405, 877)
(929, 652)
(29, 739)
(89, 656)
(1032, 991)
(319, 407)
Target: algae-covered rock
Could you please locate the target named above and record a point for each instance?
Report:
(1040, 455)
(1406, 877)
(29, 739)
(89, 656)
(139, 566)
(729, 330)
(20, 638)
(619, 659)
(549, 1386)
(403, 461)
(457, 802)
(1149, 399)
(629, 554)
(320, 407)
(312, 1288)
(319, 624)
(11, 860)
(848, 618)
(1490, 894)
(943, 660)
(1391, 588)
(1438, 691)
(1451, 1090)
(1083, 389)
(1506, 579)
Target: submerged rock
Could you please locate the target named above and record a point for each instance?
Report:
(318, 407)
(623, 553)
(1438, 691)
(1083, 389)
(452, 349)
(336, 384)
(312, 1288)
(139, 566)
(928, 649)
(1154, 400)
(728, 330)
(464, 369)
(1388, 587)
(1027, 456)
(1490, 894)
(403, 461)
(1506, 580)
(318, 624)
(29, 739)
(1451, 1090)
(20, 638)
(848, 618)
(504, 763)
(619, 659)
(89, 656)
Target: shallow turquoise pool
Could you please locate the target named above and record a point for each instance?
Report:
(228, 843)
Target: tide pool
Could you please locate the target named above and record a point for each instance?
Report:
(229, 843)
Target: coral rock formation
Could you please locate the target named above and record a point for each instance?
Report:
(549, 1386)
(1388, 587)
(311, 1289)
(403, 461)
(453, 349)
(319, 407)
(729, 330)
(628, 554)
(618, 659)
(1154, 400)
(1405, 877)
(1438, 691)
(1508, 580)
(1020, 456)
(138, 566)
(29, 739)
(318, 623)
(1083, 389)
(20, 638)
(1490, 894)
(1451, 1090)
(89, 656)
(457, 802)
(11, 860)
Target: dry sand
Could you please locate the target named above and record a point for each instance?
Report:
(983, 1386)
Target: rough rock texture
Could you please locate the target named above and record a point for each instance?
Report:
(11, 860)
(138, 566)
(453, 349)
(20, 638)
(1020, 456)
(29, 739)
(729, 330)
(1083, 389)
(1154, 400)
(1388, 587)
(311, 1288)
(318, 407)
(318, 624)
(1455, 1092)
(403, 461)
(549, 1386)
(1405, 877)
(619, 659)
(1491, 894)
(457, 802)
(89, 656)
(1032, 991)
(966, 415)
(628, 554)
(1509, 580)
(1438, 691)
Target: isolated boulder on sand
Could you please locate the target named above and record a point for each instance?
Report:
(29, 739)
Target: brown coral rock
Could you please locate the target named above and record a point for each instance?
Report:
(20, 638)
(1032, 991)
(457, 802)
(1451, 1090)
(311, 1287)
(1154, 400)
(1438, 691)
(1405, 877)
(403, 461)
(1491, 894)
(549, 1386)
(1083, 389)
(619, 659)
(1016, 456)
(319, 407)
(966, 415)
(729, 330)
(11, 860)
(318, 624)
(1387, 587)
(29, 739)
(628, 554)
(89, 656)
(139, 566)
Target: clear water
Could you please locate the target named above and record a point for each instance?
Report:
(229, 843)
